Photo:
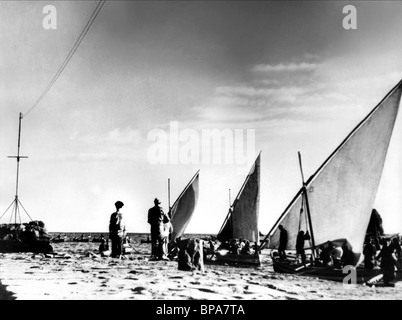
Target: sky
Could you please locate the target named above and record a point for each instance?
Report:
(287, 75)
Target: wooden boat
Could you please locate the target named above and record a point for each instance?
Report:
(58, 239)
(82, 238)
(99, 239)
(24, 237)
(241, 223)
(327, 273)
(337, 200)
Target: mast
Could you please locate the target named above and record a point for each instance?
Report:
(169, 196)
(307, 205)
(16, 202)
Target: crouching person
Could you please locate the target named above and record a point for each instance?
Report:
(190, 255)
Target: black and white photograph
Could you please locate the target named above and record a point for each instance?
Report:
(212, 151)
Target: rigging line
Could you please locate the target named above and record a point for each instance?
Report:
(71, 53)
(25, 210)
(7, 209)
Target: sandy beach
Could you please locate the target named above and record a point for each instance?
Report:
(77, 272)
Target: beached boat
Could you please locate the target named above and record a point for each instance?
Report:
(336, 202)
(99, 239)
(239, 234)
(183, 208)
(24, 237)
(58, 239)
(82, 238)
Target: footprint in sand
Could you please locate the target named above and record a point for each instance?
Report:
(139, 290)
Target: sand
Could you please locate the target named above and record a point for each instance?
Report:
(77, 272)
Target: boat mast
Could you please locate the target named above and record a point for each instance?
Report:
(169, 196)
(16, 202)
(307, 205)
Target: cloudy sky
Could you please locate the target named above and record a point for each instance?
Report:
(289, 71)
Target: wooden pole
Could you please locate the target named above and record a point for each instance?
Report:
(307, 205)
(169, 195)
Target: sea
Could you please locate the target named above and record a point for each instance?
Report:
(134, 237)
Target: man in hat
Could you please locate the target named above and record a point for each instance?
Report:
(157, 219)
(117, 230)
(283, 242)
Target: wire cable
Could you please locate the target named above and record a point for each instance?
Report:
(71, 53)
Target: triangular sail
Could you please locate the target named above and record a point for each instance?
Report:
(342, 192)
(242, 219)
(183, 208)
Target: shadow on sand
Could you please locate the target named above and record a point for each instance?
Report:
(4, 294)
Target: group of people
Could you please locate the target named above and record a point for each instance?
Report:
(235, 246)
(283, 242)
(390, 256)
(160, 231)
(330, 254)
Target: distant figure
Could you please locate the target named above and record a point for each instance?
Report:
(326, 254)
(301, 237)
(247, 248)
(388, 261)
(157, 218)
(283, 242)
(336, 254)
(190, 256)
(398, 252)
(104, 248)
(369, 252)
(348, 257)
(117, 230)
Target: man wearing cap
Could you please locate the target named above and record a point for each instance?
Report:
(117, 230)
(157, 218)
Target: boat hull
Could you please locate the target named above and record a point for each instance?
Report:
(326, 273)
(248, 259)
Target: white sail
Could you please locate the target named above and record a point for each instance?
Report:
(342, 192)
(183, 208)
(242, 219)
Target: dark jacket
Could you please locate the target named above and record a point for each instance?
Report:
(157, 216)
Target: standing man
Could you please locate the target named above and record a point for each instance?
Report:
(388, 262)
(301, 237)
(117, 230)
(157, 219)
(283, 242)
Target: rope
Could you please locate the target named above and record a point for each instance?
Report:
(7, 209)
(71, 53)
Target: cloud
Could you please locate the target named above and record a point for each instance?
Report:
(289, 67)
(116, 137)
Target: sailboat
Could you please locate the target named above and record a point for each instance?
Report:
(241, 222)
(183, 208)
(336, 202)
